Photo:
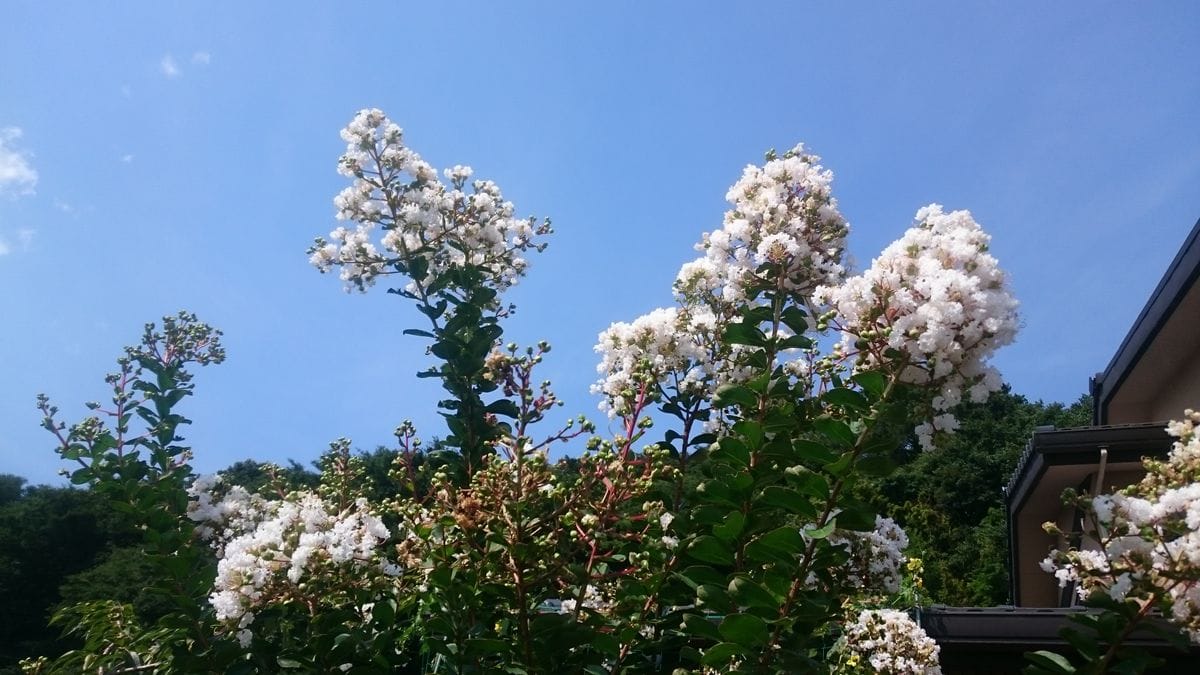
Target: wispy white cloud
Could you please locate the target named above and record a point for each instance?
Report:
(201, 58)
(24, 241)
(127, 158)
(64, 207)
(126, 90)
(169, 67)
(17, 177)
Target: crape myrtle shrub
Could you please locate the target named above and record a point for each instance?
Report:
(733, 540)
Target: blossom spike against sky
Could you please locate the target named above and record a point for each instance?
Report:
(164, 157)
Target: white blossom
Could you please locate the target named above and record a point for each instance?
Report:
(876, 557)
(938, 299)
(891, 643)
(783, 214)
(282, 543)
(665, 344)
(424, 223)
(1147, 537)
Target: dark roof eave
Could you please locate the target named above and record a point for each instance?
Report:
(1012, 626)
(1174, 285)
(1125, 442)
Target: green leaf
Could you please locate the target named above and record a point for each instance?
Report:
(418, 268)
(840, 467)
(714, 597)
(1086, 645)
(745, 334)
(418, 333)
(881, 444)
(757, 315)
(1050, 662)
(846, 398)
(711, 550)
(814, 451)
(715, 491)
(486, 646)
(793, 317)
(698, 575)
(731, 527)
(787, 499)
(795, 342)
(446, 350)
(435, 311)
(708, 514)
(751, 431)
(701, 627)
(744, 629)
(748, 593)
(835, 430)
(822, 532)
(741, 482)
(807, 482)
(384, 612)
(720, 654)
(857, 516)
(504, 407)
(871, 381)
(734, 394)
(731, 451)
(777, 451)
(784, 539)
(758, 383)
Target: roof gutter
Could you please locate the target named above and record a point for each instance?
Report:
(1181, 274)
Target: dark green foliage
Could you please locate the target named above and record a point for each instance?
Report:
(255, 476)
(464, 317)
(123, 574)
(46, 534)
(11, 488)
(950, 500)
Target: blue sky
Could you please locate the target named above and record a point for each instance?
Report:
(161, 156)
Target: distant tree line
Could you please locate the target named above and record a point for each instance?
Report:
(951, 502)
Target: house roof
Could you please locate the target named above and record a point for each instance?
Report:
(1057, 459)
(1056, 447)
(992, 640)
(1153, 323)
(1018, 628)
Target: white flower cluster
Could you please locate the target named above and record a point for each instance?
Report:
(665, 344)
(939, 299)
(424, 222)
(783, 214)
(220, 517)
(593, 600)
(876, 557)
(267, 551)
(890, 643)
(1148, 537)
